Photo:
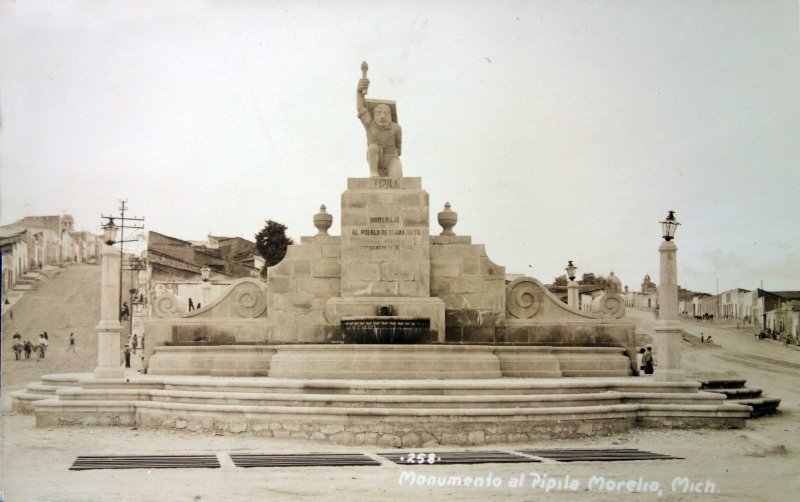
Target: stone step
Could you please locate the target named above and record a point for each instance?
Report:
(736, 392)
(502, 386)
(142, 388)
(388, 401)
(722, 383)
(764, 405)
(743, 393)
(41, 388)
(65, 379)
(22, 401)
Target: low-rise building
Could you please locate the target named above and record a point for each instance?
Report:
(14, 249)
(175, 265)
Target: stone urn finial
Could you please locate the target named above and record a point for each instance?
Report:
(323, 221)
(448, 219)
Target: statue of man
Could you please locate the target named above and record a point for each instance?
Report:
(384, 137)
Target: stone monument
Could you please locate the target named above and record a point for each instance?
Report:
(477, 367)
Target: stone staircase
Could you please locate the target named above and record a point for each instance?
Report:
(407, 413)
(23, 401)
(734, 390)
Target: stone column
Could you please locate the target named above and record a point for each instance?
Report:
(109, 328)
(205, 289)
(573, 298)
(667, 328)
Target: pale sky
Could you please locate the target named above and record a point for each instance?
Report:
(557, 130)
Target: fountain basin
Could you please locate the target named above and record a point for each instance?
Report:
(385, 329)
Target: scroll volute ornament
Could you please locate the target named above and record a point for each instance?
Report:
(523, 298)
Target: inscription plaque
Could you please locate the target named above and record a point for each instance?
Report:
(385, 238)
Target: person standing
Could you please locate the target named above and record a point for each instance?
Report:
(41, 346)
(640, 360)
(191, 305)
(127, 357)
(71, 342)
(647, 361)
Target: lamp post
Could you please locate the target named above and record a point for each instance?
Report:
(205, 273)
(667, 329)
(109, 327)
(572, 286)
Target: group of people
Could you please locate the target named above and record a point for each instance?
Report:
(192, 306)
(706, 339)
(134, 343)
(24, 348)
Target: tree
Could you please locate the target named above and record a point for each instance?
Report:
(561, 280)
(271, 243)
(589, 279)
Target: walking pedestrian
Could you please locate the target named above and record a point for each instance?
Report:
(191, 305)
(72, 342)
(702, 338)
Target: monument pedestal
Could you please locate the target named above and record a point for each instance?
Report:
(109, 327)
(108, 351)
(385, 238)
(385, 253)
(668, 340)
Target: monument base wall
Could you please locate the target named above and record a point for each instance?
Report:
(391, 362)
(472, 287)
(399, 413)
(187, 331)
(298, 289)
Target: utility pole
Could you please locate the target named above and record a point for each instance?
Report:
(122, 241)
(134, 265)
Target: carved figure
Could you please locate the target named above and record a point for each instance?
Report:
(384, 137)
